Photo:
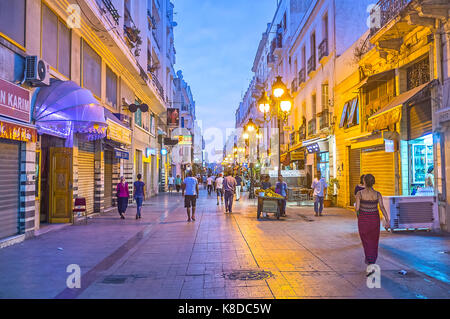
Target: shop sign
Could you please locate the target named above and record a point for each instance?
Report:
(297, 156)
(313, 148)
(121, 154)
(14, 101)
(150, 151)
(287, 173)
(17, 132)
(118, 133)
(389, 146)
(185, 140)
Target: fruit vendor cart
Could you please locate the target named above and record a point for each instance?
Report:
(269, 203)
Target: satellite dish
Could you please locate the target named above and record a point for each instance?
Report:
(144, 108)
(132, 108)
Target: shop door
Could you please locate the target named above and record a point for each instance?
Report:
(60, 185)
(147, 177)
(86, 182)
(354, 168)
(381, 165)
(108, 179)
(9, 190)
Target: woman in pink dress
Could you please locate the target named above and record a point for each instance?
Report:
(367, 202)
(122, 197)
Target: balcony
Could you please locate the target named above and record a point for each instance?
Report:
(312, 127)
(323, 49)
(276, 44)
(270, 60)
(385, 11)
(151, 21)
(110, 8)
(324, 119)
(301, 76)
(158, 85)
(311, 64)
(294, 85)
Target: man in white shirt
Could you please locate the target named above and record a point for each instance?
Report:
(219, 188)
(209, 183)
(171, 181)
(320, 187)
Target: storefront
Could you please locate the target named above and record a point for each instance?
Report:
(17, 140)
(70, 123)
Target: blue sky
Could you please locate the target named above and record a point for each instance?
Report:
(216, 42)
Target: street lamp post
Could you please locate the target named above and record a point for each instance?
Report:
(282, 101)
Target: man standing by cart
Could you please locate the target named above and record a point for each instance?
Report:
(229, 187)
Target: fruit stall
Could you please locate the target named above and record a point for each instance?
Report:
(269, 202)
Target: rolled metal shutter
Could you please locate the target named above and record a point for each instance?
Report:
(354, 172)
(86, 182)
(381, 165)
(420, 120)
(108, 179)
(9, 190)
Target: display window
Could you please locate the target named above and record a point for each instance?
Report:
(324, 165)
(421, 164)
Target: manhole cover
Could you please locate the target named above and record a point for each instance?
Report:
(114, 280)
(248, 275)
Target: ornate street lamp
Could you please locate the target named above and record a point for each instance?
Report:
(283, 102)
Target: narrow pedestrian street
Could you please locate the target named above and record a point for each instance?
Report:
(163, 256)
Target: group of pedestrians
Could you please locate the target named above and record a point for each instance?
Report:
(123, 196)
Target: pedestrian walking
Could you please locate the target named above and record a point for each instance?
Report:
(139, 195)
(360, 186)
(319, 186)
(238, 187)
(209, 183)
(229, 187)
(281, 189)
(178, 183)
(171, 181)
(219, 188)
(123, 194)
(367, 202)
(190, 193)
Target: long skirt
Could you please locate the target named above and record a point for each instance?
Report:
(122, 204)
(369, 231)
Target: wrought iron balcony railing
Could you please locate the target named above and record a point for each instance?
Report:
(151, 20)
(311, 64)
(158, 86)
(323, 49)
(301, 76)
(385, 11)
(312, 126)
(111, 9)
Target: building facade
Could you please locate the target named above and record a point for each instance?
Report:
(99, 80)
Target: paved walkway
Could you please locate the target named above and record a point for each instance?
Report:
(163, 256)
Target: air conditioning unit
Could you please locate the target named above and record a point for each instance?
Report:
(412, 212)
(37, 72)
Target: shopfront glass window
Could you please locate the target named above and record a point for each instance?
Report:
(12, 20)
(422, 163)
(324, 165)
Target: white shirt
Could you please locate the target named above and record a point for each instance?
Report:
(319, 187)
(171, 180)
(210, 180)
(219, 182)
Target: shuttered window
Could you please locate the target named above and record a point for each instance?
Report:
(381, 165)
(9, 190)
(86, 182)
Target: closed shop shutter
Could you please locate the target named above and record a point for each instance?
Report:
(354, 172)
(420, 119)
(381, 165)
(86, 183)
(108, 178)
(9, 190)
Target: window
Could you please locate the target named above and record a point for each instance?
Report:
(314, 105)
(92, 70)
(12, 20)
(418, 74)
(138, 118)
(313, 45)
(111, 87)
(55, 45)
(350, 114)
(152, 124)
(325, 26)
(182, 122)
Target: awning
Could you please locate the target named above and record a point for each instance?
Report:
(64, 108)
(375, 78)
(392, 113)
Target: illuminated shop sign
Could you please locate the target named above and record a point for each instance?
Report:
(17, 132)
(313, 148)
(14, 101)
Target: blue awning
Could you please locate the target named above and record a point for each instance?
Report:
(64, 108)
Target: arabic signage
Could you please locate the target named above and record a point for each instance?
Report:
(14, 101)
(118, 133)
(287, 173)
(17, 132)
